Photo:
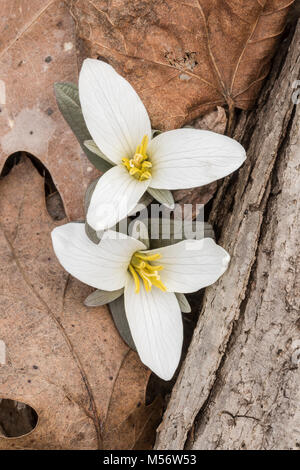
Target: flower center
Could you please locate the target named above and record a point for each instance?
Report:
(140, 267)
(139, 166)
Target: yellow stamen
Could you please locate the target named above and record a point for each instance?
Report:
(138, 166)
(136, 279)
(154, 268)
(159, 284)
(140, 267)
(145, 176)
(144, 257)
(134, 171)
(144, 145)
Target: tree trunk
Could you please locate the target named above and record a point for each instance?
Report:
(239, 385)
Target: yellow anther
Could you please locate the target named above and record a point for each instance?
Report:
(145, 257)
(140, 267)
(126, 163)
(138, 159)
(134, 171)
(138, 166)
(145, 175)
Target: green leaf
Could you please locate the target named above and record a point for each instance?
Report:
(89, 193)
(164, 196)
(102, 297)
(117, 309)
(165, 231)
(183, 303)
(67, 98)
(91, 233)
(90, 145)
(155, 132)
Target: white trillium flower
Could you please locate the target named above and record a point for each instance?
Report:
(120, 126)
(150, 279)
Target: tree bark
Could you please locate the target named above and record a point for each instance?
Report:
(239, 385)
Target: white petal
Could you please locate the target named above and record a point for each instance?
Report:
(191, 265)
(112, 110)
(156, 326)
(103, 266)
(187, 158)
(115, 195)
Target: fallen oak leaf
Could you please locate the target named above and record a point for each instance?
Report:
(139, 427)
(66, 361)
(125, 430)
(37, 49)
(184, 58)
(214, 120)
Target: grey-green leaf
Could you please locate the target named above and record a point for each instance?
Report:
(67, 97)
(183, 303)
(88, 194)
(164, 196)
(165, 231)
(91, 233)
(90, 145)
(155, 132)
(102, 297)
(117, 309)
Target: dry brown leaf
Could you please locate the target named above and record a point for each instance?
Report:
(184, 58)
(215, 120)
(37, 48)
(66, 361)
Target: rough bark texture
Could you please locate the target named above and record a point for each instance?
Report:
(239, 385)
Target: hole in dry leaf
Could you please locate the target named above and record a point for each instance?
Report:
(13, 160)
(54, 202)
(16, 418)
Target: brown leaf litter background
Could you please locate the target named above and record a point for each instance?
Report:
(184, 58)
(37, 49)
(65, 360)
